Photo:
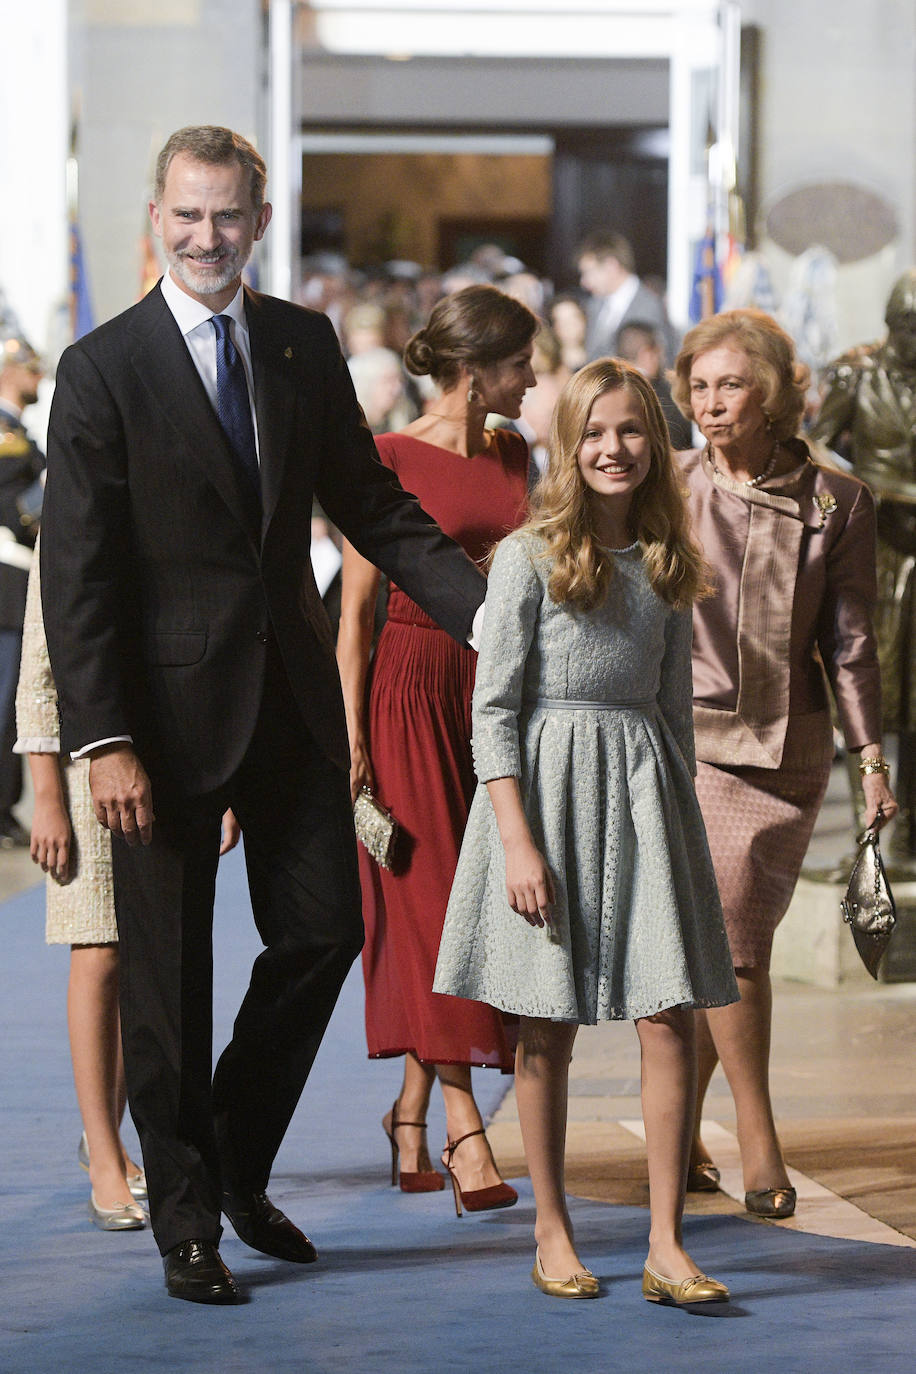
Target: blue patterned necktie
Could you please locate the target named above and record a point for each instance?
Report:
(233, 405)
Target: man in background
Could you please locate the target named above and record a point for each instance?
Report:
(640, 344)
(21, 466)
(607, 271)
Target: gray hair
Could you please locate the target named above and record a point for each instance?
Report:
(217, 146)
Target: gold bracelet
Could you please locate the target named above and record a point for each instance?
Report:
(876, 763)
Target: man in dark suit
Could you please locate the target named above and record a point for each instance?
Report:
(607, 271)
(194, 663)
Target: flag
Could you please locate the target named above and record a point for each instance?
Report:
(81, 316)
(706, 295)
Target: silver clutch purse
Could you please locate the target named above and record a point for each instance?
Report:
(868, 907)
(376, 828)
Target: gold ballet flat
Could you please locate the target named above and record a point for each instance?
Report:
(580, 1285)
(771, 1202)
(699, 1288)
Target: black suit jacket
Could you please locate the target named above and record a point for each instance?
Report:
(161, 587)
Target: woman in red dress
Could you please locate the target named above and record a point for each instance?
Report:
(411, 742)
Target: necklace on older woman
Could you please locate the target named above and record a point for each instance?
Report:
(761, 477)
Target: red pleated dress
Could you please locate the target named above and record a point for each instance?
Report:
(419, 743)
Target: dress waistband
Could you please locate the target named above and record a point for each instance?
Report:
(570, 704)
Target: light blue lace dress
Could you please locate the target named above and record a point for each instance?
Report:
(592, 712)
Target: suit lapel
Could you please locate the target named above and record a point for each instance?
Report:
(161, 358)
(275, 400)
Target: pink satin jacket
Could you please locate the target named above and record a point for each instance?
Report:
(794, 592)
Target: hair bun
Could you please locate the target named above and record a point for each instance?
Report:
(419, 355)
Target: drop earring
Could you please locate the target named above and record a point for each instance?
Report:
(473, 394)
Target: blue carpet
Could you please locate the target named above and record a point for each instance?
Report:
(401, 1284)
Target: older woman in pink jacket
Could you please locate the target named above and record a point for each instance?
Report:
(791, 547)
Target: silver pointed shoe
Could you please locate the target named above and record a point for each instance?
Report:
(135, 1182)
(129, 1216)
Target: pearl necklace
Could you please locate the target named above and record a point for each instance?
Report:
(761, 477)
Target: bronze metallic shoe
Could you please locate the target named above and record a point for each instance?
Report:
(580, 1285)
(703, 1178)
(699, 1288)
(129, 1216)
(771, 1202)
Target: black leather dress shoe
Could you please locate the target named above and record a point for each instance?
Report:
(195, 1272)
(264, 1227)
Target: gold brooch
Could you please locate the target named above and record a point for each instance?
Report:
(287, 352)
(826, 505)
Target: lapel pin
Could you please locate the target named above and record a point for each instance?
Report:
(826, 505)
(287, 352)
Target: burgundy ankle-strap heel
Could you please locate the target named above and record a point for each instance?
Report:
(421, 1181)
(477, 1199)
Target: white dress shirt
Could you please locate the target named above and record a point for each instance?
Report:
(193, 319)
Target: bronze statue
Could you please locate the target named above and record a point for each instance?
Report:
(869, 415)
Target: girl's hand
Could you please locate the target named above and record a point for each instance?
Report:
(51, 838)
(361, 774)
(231, 830)
(878, 793)
(529, 883)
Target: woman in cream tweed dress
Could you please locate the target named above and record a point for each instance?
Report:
(75, 852)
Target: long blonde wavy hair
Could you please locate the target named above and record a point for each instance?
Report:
(562, 509)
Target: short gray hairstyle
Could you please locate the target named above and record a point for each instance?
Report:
(217, 146)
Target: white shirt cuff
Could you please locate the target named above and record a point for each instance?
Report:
(98, 743)
(477, 626)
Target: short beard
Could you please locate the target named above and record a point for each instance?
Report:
(211, 284)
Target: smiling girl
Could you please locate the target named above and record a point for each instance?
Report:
(584, 891)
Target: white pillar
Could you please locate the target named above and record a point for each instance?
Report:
(284, 176)
(34, 118)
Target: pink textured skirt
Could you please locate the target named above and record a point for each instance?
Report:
(759, 822)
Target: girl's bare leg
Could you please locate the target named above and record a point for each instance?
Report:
(668, 1102)
(541, 1089)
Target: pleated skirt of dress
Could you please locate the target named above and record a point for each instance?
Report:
(420, 726)
(637, 925)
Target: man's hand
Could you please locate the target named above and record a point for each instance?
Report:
(121, 794)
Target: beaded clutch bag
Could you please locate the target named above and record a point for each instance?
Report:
(376, 828)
